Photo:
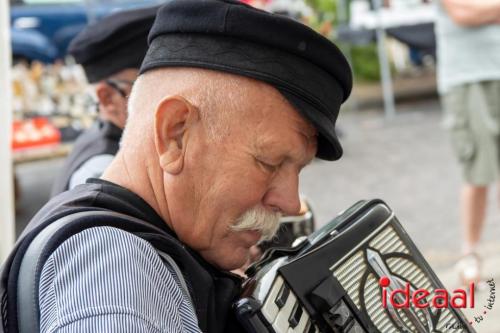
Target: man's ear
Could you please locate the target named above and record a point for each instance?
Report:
(173, 117)
(104, 95)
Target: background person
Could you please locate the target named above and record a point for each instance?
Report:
(468, 40)
(111, 52)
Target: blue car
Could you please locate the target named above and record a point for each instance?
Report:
(43, 29)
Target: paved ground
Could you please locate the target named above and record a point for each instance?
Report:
(406, 161)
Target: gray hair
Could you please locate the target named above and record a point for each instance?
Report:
(215, 94)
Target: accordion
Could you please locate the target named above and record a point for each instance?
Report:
(337, 280)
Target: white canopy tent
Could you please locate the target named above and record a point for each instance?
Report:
(7, 224)
(379, 18)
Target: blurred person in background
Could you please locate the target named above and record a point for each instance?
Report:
(468, 40)
(111, 52)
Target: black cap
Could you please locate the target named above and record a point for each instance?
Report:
(308, 69)
(115, 43)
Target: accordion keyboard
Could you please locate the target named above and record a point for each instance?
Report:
(282, 309)
(286, 315)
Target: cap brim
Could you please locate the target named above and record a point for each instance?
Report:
(329, 147)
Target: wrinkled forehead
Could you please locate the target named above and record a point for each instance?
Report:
(273, 124)
(265, 102)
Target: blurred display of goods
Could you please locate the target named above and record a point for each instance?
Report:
(34, 132)
(36, 139)
(52, 105)
(49, 90)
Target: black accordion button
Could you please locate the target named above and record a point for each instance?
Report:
(282, 296)
(295, 315)
(340, 316)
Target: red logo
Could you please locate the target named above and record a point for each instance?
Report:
(421, 298)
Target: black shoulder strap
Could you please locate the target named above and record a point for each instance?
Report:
(28, 316)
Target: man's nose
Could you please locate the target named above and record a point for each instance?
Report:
(283, 194)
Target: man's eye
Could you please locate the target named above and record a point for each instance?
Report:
(268, 167)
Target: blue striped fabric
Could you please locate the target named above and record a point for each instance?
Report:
(107, 280)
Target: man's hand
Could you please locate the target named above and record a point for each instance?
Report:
(473, 13)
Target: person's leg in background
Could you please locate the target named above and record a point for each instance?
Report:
(473, 214)
(471, 114)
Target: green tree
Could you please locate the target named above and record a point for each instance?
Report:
(364, 58)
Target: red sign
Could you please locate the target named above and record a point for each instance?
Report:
(405, 297)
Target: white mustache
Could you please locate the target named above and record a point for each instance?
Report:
(259, 219)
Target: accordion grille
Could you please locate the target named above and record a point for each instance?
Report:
(349, 275)
(373, 304)
(362, 285)
(389, 242)
(410, 272)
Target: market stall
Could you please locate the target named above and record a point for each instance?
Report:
(7, 226)
(410, 21)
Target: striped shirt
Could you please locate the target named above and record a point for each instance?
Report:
(104, 279)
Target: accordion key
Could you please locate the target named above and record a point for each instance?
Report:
(331, 281)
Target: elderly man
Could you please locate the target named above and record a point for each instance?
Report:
(210, 159)
(110, 52)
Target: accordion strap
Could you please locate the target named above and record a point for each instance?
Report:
(42, 245)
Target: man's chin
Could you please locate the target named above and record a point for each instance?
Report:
(235, 259)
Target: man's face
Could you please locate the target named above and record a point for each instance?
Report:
(253, 171)
(113, 93)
